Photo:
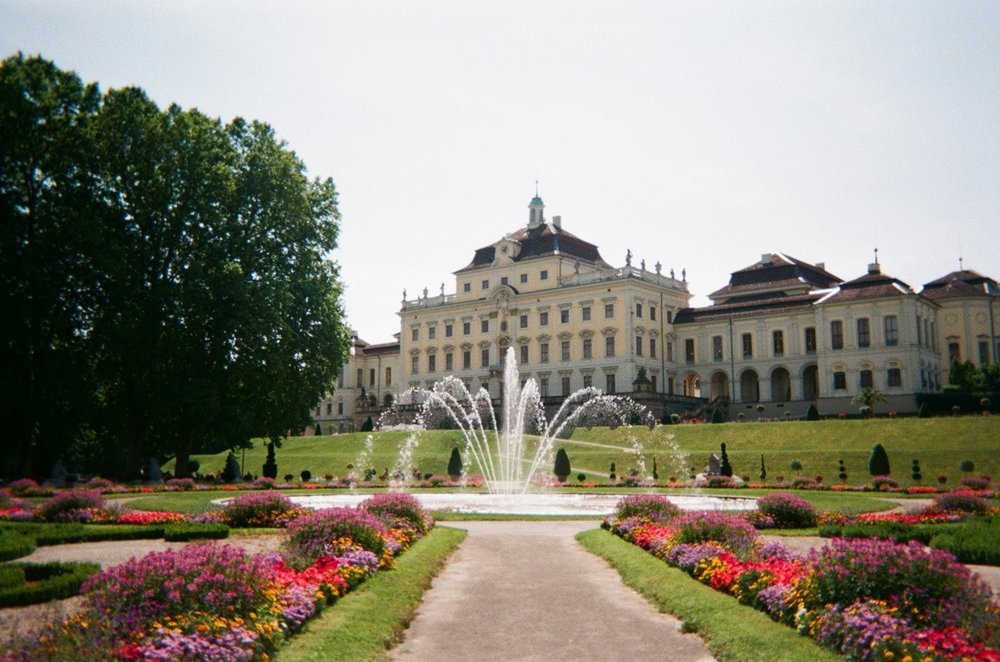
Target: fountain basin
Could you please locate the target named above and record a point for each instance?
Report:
(534, 503)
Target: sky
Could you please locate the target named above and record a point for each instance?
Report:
(696, 134)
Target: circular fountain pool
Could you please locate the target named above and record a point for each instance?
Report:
(535, 503)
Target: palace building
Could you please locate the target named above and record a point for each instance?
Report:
(782, 334)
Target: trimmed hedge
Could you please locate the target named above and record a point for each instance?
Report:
(13, 545)
(897, 531)
(195, 531)
(974, 541)
(45, 581)
(11, 575)
(61, 534)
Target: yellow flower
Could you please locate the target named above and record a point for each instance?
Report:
(888, 654)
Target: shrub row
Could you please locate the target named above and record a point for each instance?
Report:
(41, 582)
(195, 531)
(13, 545)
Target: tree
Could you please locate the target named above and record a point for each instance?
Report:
(718, 416)
(812, 414)
(724, 467)
(455, 464)
(49, 283)
(878, 461)
(763, 470)
(966, 376)
(867, 397)
(562, 467)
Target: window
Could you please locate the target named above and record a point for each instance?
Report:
(543, 350)
(543, 387)
(670, 316)
(564, 316)
(670, 385)
(371, 376)
(484, 326)
(466, 328)
(466, 287)
(894, 377)
(954, 352)
(609, 381)
(810, 340)
(839, 380)
(891, 330)
(359, 378)
(432, 363)
(485, 358)
(638, 345)
(414, 364)
(588, 381)
(415, 335)
(716, 348)
(920, 334)
(588, 348)
(543, 319)
(652, 348)
(432, 333)
(503, 280)
(524, 278)
(466, 360)
(388, 376)
(747, 340)
(524, 354)
(449, 361)
(340, 408)
(329, 408)
(449, 330)
(670, 351)
(778, 342)
(609, 310)
(652, 313)
(865, 379)
(638, 310)
(837, 334)
(486, 284)
(586, 313)
(523, 321)
(565, 385)
(544, 275)
(565, 350)
(340, 380)
(689, 350)
(864, 334)
(984, 352)
(609, 346)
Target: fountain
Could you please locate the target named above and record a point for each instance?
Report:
(509, 457)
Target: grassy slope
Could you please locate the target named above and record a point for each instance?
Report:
(939, 443)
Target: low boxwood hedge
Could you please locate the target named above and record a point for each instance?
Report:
(44, 581)
(195, 531)
(65, 533)
(14, 545)
(11, 574)
(975, 541)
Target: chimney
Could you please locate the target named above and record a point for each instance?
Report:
(765, 258)
(557, 221)
(821, 265)
(873, 268)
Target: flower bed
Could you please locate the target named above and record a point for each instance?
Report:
(216, 602)
(865, 599)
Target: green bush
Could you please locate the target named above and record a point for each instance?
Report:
(812, 414)
(455, 463)
(562, 467)
(895, 531)
(13, 545)
(11, 575)
(195, 531)
(47, 581)
(878, 461)
(974, 541)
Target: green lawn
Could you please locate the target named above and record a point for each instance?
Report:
(940, 444)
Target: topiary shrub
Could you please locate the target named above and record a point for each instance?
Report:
(455, 464)
(43, 582)
(725, 469)
(763, 470)
(612, 475)
(923, 411)
(270, 468)
(13, 545)
(788, 510)
(878, 461)
(915, 471)
(842, 471)
(306, 475)
(368, 425)
(195, 531)
(562, 468)
(231, 471)
(581, 477)
(812, 414)
(967, 466)
(717, 416)
(795, 466)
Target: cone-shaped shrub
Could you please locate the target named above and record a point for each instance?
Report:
(455, 464)
(878, 461)
(562, 467)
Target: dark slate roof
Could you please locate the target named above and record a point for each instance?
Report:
(367, 349)
(762, 305)
(873, 285)
(544, 239)
(775, 271)
(960, 284)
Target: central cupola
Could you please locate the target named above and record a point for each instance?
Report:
(536, 212)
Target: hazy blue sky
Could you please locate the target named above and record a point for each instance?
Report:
(697, 134)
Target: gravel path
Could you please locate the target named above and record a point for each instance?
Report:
(529, 591)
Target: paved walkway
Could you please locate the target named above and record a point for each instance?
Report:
(529, 591)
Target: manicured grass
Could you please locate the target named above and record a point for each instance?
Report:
(940, 444)
(368, 621)
(733, 632)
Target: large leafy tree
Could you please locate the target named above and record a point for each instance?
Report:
(48, 280)
(211, 311)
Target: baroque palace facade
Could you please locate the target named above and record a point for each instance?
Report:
(782, 333)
